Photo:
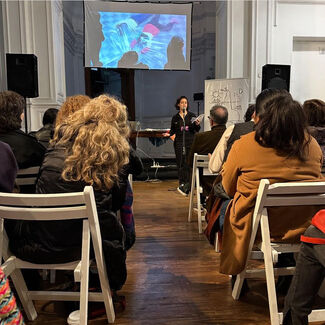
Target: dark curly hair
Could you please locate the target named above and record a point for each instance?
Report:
(11, 107)
(282, 126)
(315, 112)
(178, 100)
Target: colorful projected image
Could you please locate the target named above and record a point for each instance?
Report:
(143, 41)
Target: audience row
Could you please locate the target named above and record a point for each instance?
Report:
(89, 146)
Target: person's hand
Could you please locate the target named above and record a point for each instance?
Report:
(197, 122)
(166, 134)
(173, 137)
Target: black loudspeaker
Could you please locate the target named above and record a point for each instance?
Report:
(22, 74)
(198, 96)
(276, 76)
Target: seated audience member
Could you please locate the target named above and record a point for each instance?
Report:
(205, 142)
(28, 152)
(9, 312)
(89, 148)
(315, 113)
(8, 168)
(232, 133)
(123, 196)
(45, 134)
(249, 113)
(276, 151)
(119, 190)
(309, 273)
(71, 105)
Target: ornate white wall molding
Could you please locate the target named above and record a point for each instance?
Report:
(36, 27)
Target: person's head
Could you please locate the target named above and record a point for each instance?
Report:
(71, 104)
(218, 115)
(11, 110)
(181, 103)
(95, 140)
(49, 116)
(265, 97)
(315, 112)
(282, 126)
(249, 113)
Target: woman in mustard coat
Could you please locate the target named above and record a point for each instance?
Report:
(281, 150)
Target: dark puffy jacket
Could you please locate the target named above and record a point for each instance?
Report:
(60, 241)
(27, 150)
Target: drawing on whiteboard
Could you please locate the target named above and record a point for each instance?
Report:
(231, 99)
(231, 93)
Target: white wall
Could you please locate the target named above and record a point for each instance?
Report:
(308, 69)
(35, 27)
(275, 25)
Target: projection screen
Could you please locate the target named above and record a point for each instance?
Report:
(138, 35)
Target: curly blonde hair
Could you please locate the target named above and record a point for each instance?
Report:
(95, 140)
(71, 105)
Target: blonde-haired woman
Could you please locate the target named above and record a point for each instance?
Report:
(71, 105)
(88, 149)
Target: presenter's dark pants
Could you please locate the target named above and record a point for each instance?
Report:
(181, 161)
(308, 277)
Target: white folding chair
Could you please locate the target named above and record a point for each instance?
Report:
(199, 161)
(47, 207)
(277, 195)
(27, 176)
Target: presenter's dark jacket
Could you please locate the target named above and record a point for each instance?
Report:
(190, 129)
(206, 142)
(60, 241)
(27, 150)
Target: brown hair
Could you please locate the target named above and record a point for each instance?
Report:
(315, 112)
(11, 107)
(71, 104)
(95, 139)
(282, 126)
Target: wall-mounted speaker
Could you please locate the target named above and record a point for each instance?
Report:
(22, 74)
(276, 76)
(198, 96)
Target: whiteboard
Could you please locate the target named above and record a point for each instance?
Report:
(231, 93)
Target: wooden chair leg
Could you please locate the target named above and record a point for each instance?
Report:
(198, 200)
(190, 209)
(21, 288)
(238, 285)
(52, 276)
(217, 242)
(84, 274)
(269, 271)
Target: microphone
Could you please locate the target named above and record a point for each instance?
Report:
(184, 110)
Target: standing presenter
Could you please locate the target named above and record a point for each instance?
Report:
(184, 125)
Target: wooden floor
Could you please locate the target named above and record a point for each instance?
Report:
(173, 272)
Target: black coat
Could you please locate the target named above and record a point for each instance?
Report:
(27, 150)
(60, 241)
(8, 169)
(134, 167)
(177, 125)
